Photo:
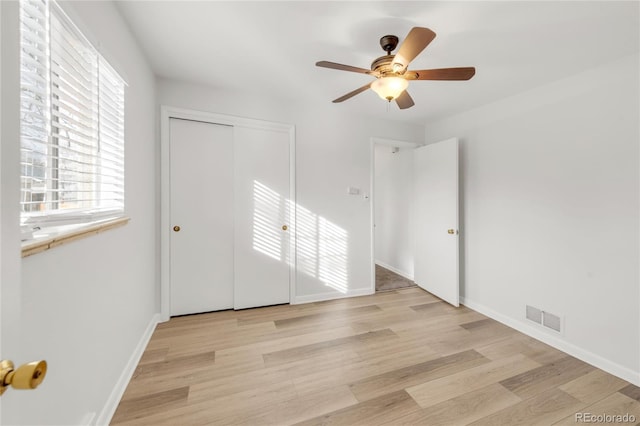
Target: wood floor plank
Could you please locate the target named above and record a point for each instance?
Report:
(181, 364)
(463, 409)
(378, 411)
(593, 386)
(486, 322)
(282, 372)
(521, 344)
(281, 340)
(390, 319)
(154, 355)
(488, 332)
(451, 386)
(632, 391)
(405, 377)
(541, 410)
(614, 405)
(302, 408)
(532, 382)
(139, 407)
(294, 354)
(371, 366)
(165, 381)
(399, 357)
(344, 315)
(218, 411)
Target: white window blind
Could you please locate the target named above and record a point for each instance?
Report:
(72, 120)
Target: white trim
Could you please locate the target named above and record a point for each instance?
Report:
(320, 297)
(168, 112)
(397, 271)
(372, 212)
(293, 215)
(552, 338)
(372, 199)
(109, 409)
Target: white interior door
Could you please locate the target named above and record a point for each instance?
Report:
(262, 213)
(14, 405)
(202, 239)
(436, 256)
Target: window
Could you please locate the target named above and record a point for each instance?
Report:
(71, 122)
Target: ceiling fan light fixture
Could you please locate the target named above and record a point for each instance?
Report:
(389, 88)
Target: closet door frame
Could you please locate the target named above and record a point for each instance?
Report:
(169, 112)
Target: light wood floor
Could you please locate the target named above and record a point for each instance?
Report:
(400, 357)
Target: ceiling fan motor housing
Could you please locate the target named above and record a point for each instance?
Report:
(382, 65)
(388, 43)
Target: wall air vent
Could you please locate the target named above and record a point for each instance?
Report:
(544, 318)
(534, 314)
(551, 321)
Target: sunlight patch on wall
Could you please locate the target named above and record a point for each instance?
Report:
(322, 246)
(268, 218)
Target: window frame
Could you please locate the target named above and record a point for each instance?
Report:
(114, 135)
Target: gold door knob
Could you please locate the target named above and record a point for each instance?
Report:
(285, 227)
(451, 231)
(27, 376)
(176, 228)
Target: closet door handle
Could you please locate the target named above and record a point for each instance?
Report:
(176, 228)
(285, 227)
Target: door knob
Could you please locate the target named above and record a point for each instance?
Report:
(285, 227)
(27, 376)
(176, 228)
(452, 231)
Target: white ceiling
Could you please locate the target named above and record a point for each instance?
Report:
(271, 48)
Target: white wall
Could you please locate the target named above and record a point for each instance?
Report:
(550, 198)
(86, 305)
(332, 153)
(393, 188)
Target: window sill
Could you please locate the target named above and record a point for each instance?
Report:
(48, 238)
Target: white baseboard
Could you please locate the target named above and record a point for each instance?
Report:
(331, 295)
(558, 343)
(109, 409)
(397, 271)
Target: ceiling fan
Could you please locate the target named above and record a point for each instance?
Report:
(390, 71)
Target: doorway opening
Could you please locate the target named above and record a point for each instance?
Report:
(392, 190)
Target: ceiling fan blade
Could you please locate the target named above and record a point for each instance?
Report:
(462, 73)
(352, 94)
(335, 66)
(404, 101)
(415, 42)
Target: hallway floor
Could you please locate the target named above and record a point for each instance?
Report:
(387, 280)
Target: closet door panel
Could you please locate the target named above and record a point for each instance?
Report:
(202, 217)
(262, 212)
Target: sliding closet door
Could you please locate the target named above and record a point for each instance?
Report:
(202, 217)
(262, 217)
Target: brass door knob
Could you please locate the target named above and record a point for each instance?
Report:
(27, 376)
(285, 227)
(176, 228)
(451, 231)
